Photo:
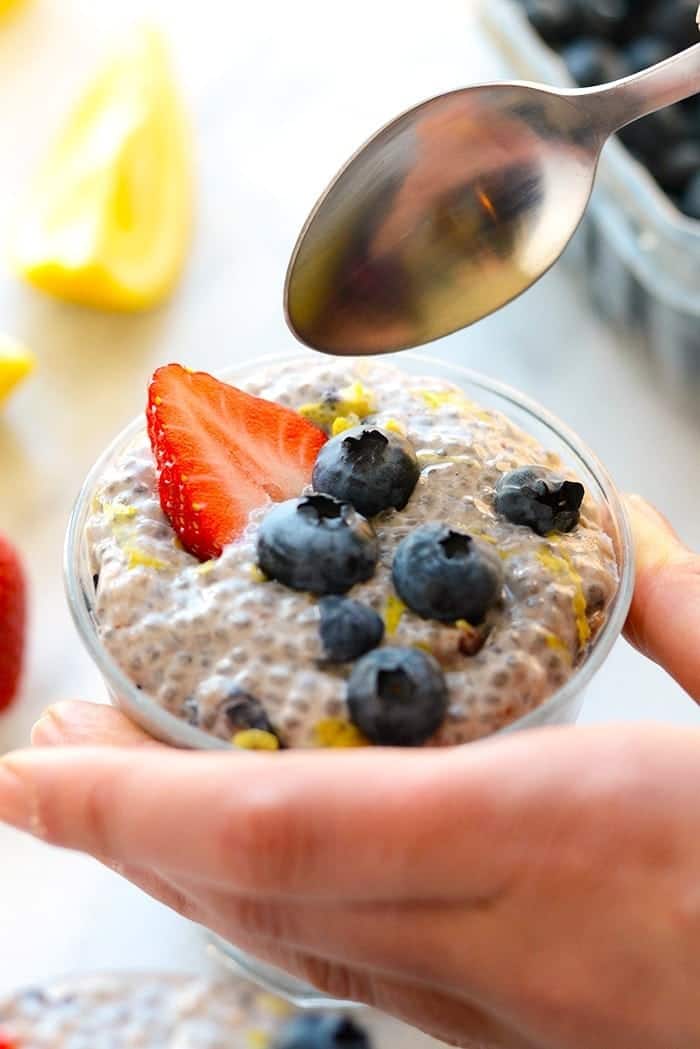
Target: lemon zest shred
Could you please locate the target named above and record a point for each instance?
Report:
(561, 566)
(355, 402)
(272, 1005)
(555, 642)
(393, 611)
(257, 574)
(319, 413)
(394, 426)
(118, 511)
(358, 398)
(344, 422)
(256, 739)
(137, 557)
(337, 732)
(206, 567)
(435, 399)
(257, 1039)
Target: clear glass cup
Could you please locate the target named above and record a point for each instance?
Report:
(562, 707)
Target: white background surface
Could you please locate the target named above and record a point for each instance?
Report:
(280, 92)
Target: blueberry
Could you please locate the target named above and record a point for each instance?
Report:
(675, 22)
(397, 696)
(657, 131)
(554, 20)
(592, 62)
(348, 628)
(243, 711)
(690, 201)
(604, 18)
(371, 468)
(540, 499)
(443, 574)
(673, 168)
(321, 1031)
(645, 51)
(318, 544)
(191, 712)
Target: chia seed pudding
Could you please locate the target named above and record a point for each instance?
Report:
(206, 639)
(153, 1011)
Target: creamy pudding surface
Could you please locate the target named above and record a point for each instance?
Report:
(197, 637)
(152, 1011)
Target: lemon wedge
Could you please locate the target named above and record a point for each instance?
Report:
(107, 222)
(16, 362)
(9, 5)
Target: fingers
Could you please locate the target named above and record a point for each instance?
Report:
(179, 899)
(451, 1019)
(291, 823)
(664, 620)
(92, 724)
(363, 824)
(453, 946)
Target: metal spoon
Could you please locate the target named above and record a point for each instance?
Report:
(458, 206)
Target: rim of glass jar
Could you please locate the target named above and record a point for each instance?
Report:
(164, 725)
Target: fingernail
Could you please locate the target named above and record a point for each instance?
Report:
(46, 730)
(15, 799)
(654, 532)
(650, 513)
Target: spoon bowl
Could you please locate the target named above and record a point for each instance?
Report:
(457, 206)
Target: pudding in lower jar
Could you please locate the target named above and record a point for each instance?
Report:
(370, 558)
(149, 1010)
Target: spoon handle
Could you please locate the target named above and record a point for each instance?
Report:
(636, 96)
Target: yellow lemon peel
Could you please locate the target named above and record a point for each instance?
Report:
(273, 1005)
(107, 221)
(206, 567)
(118, 511)
(359, 399)
(393, 611)
(342, 423)
(394, 426)
(256, 739)
(435, 399)
(257, 1039)
(355, 402)
(336, 732)
(137, 557)
(554, 642)
(561, 567)
(16, 363)
(257, 574)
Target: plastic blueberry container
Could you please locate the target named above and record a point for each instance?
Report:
(639, 253)
(561, 708)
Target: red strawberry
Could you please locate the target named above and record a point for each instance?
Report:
(220, 453)
(13, 616)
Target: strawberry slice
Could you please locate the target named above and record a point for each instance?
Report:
(220, 453)
(13, 615)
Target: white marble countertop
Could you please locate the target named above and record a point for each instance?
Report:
(280, 93)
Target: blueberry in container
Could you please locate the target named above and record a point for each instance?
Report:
(639, 244)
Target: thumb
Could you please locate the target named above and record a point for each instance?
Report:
(664, 620)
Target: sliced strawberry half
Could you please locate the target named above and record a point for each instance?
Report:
(13, 616)
(220, 453)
